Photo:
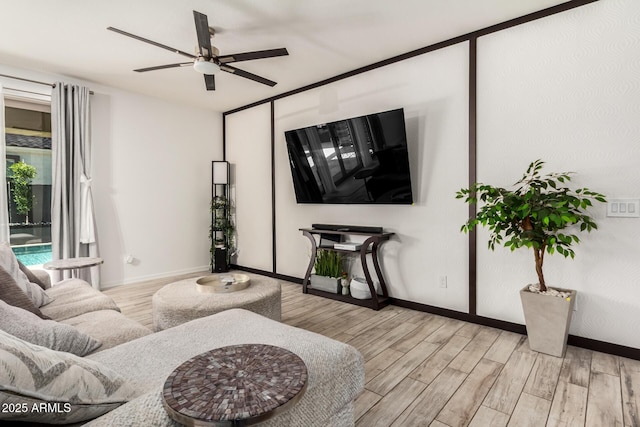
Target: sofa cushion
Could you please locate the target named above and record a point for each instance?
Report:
(148, 410)
(78, 388)
(109, 327)
(73, 297)
(11, 293)
(336, 370)
(9, 263)
(47, 333)
(145, 410)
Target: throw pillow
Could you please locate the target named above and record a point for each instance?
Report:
(30, 276)
(13, 295)
(47, 333)
(9, 262)
(47, 386)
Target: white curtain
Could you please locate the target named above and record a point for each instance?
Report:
(4, 208)
(73, 228)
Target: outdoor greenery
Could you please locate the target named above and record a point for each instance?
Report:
(328, 263)
(541, 213)
(21, 177)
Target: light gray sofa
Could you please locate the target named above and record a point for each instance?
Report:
(89, 311)
(335, 370)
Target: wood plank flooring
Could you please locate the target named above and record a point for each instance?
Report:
(426, 370)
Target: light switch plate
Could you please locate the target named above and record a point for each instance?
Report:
(623, 208)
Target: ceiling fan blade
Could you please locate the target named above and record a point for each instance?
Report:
(161, 67)
(247, 56)
(246, 75)
(210, 81)
(142, 39)
(204, 37)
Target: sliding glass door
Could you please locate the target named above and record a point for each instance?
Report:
(28, 173)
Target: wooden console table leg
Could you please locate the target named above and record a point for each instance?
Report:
(363, 259)
(314, 249)
(376, 265)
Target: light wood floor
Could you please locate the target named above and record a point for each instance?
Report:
(428, 370)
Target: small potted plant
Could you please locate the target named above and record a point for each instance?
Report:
(544, 215)
(328, 271)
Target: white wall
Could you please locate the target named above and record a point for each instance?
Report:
(250, 157)
(566, 89)
(151, 180)
(433, 91)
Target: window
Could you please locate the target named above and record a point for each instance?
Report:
(28, 161)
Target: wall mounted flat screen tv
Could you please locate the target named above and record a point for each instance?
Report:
(360, 160)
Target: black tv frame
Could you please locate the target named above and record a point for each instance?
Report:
(359, 160)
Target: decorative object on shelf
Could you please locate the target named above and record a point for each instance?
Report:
(336, 233)
(226, 283)
(360, 289)
(328, 267)
(345, 283)
(222, 227)
(348, 246)
(541, 214)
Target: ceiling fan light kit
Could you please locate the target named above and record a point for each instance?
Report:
(208, 61)
(205, 66)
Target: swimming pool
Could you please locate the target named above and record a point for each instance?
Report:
(33, 254)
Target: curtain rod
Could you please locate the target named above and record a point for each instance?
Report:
(27, 80)
(32, 81)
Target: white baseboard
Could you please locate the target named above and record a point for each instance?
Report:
(137, 279)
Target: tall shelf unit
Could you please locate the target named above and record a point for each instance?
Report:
(220, 217)
(369, 247)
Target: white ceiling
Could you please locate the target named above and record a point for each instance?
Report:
(324, 38)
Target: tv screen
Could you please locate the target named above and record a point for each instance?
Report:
(353, 161)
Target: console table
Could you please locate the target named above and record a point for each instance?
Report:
(369, 246)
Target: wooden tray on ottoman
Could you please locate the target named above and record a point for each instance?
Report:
(223, 283)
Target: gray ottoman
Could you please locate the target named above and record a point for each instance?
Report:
(180, 302)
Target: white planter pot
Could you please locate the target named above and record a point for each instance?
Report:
(547, 319)
(360, 288)
(327, 284)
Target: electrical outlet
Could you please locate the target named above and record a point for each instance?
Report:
(443, 281)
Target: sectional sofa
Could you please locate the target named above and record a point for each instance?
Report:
(118, 381)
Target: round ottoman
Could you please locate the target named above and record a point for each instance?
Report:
(180, 302)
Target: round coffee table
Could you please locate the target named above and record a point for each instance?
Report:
(180, 302)
(237, 385)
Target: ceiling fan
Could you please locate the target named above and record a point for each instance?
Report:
(208, 61)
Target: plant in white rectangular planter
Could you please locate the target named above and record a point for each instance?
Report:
(544, 215)
(328, 271)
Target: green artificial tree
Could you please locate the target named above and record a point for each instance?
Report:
(541, 213)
